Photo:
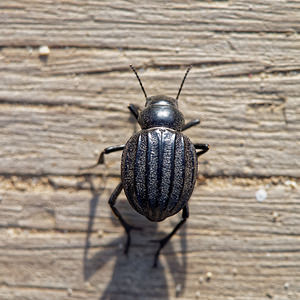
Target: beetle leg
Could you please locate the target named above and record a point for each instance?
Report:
(190, 124)
(164, 241)
(127, 227)
(134, 110)
(107, 151)
(101, 156)
(203, 147)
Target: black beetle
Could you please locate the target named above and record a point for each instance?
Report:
(159, 164)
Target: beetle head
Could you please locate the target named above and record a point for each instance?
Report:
(161, 111)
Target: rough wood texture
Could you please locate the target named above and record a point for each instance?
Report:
(58, 238)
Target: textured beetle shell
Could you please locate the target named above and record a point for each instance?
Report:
(158, 171)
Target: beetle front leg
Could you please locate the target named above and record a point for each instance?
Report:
(164, 241)
(127, 227)
(203, 147)
(190, 124)
(134, 110)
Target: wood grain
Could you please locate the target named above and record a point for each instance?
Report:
(58, 238)
(229, 234)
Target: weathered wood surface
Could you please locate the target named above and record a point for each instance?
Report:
(58, 238)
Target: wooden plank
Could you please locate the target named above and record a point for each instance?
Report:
(58, 237)
(246, 96)
(252, 132)
(140, 24)
(249, 250)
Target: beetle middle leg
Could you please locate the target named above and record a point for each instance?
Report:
(101, 156)
(164, 241)
(127, 227)
(202, 147)
(107, 151)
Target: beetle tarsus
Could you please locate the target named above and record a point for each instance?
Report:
(164, 241)
(100, 159)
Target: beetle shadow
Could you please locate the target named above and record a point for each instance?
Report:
(133, 276)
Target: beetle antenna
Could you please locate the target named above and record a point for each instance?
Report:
(186, 73)
(137, 76)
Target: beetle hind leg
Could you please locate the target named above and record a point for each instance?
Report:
(126, 226)
(164, 241)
